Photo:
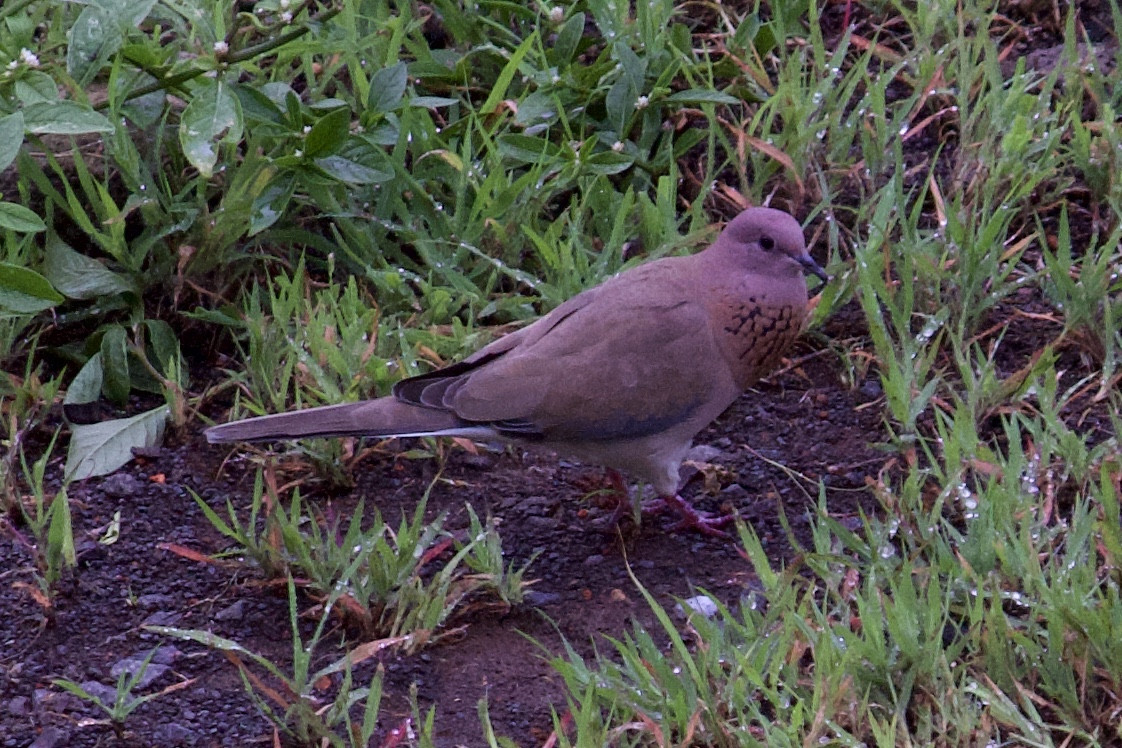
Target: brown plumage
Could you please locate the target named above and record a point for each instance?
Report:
(624, 374)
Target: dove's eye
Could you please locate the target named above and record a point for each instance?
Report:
(767, 242)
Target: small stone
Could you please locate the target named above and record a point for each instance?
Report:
(103, 693)
(703, 453)
(594, 559)
(132, 665)
(154, 600)
(162, 618)
(235, 612)
(121, 485)
(19, 706)
(173, 733)
(702, 604)
(733, 492)
(51, 737)
(534, 597)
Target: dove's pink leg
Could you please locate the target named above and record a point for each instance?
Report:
(692, 519)
(623, 498)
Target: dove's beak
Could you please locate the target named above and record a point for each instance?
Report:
(810, 266)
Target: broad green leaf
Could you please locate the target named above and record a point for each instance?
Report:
(432, 102)
(387, 87)
(35, 87)
(620, 103)
(99, 32)
(94, 36)
(702, 96)
(60, 535)
(565, 48)
(24, 291)
(11, 138)
(86, 387)
(536, 109)
(163, 346)
(502, 83)
(607, 162)
(328, 134)
(115, 365)
(528, 149)
(352, 172)
(271, 203)
(634, 67)
(101, 448)
(212, 116)
(258, 106)
(79, 277)
(64, 118)
(19, 218)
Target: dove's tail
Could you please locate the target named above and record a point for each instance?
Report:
(383, 417)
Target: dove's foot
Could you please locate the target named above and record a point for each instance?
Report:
(617, 491)
(692, 519)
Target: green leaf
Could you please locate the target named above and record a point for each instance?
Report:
(352, 172)
(19, 218)
(387, 88)
(60, 535)
(620, 103)
(36, 87)
(94, 36)
(163, 346)
(565, 48)
(115, 365)
(607, 162)
(212, 116)
(99, 32)
(701, 96)
(634, 67)
(271, 204)
(538, 108)
(11, 138)
(79, 277)
(502, 83)
(328, 134)
(528, 149)
(101, 448)
(432, 102)
(64, 118)
(86, 387)
(24, 291)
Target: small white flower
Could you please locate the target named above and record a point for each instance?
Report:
(642, 102)
(307, 129)
(221, 47)
(556, 14)
(298, 153)
(29, 58)
(286, 16)
(617, 147)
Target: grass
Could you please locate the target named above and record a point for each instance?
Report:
(348, 193)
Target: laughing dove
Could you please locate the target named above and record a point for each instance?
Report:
(622, 375)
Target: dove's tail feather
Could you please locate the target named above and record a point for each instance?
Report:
(385, 417)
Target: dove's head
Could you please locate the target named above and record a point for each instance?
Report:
(771, 241)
